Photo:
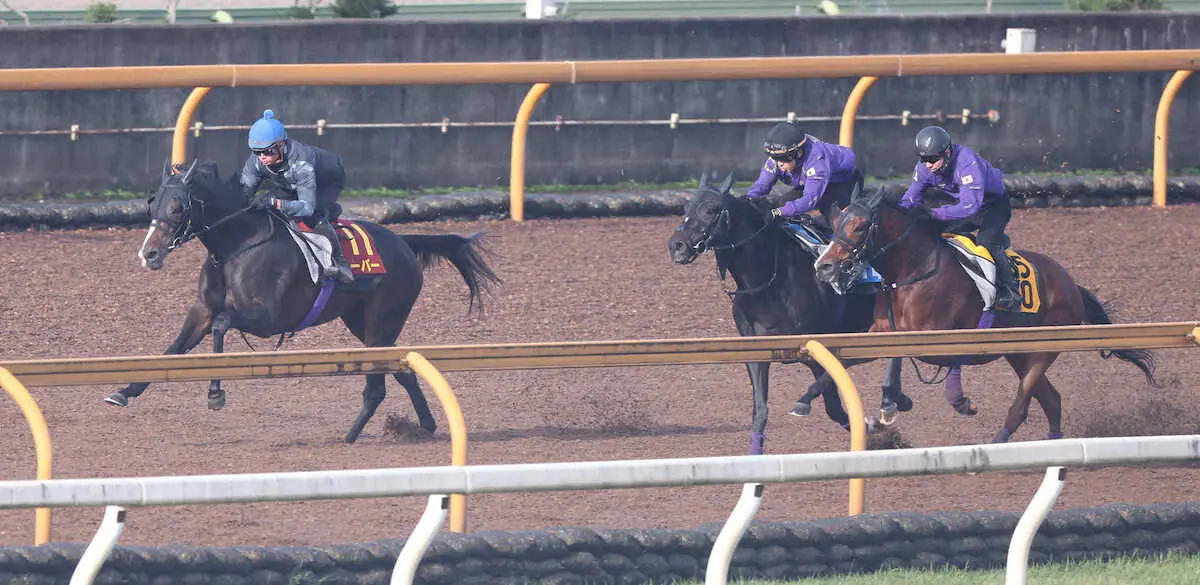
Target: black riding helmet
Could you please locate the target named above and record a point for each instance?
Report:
(933, 142)
(784, 141)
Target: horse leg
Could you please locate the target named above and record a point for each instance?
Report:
(220, 326)
(1051, 402)
(195, 326)
(954, 393)
(424, 416)
(758, 372)
(373, 395)
(1031, 369)
(821, 378)
(894, 400)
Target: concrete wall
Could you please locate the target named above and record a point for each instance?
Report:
(774, 550)
(1047, 122)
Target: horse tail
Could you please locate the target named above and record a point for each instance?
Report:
(464, 252)
(1095, 312)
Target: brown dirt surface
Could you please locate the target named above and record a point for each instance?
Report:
(83, 294)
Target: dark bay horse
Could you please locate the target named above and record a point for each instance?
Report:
(777, 294)
(926, 289)
(256, 280)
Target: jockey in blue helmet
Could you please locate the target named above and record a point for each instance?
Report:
(307, 181)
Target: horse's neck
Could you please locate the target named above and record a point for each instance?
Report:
(911, 257)
(766, 259)
(229, 235)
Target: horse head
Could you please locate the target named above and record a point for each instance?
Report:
(853, 242)
(182, 207)
(714, 219)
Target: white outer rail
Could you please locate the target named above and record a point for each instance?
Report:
(101, 546)
(1027, 527)
(490, 479)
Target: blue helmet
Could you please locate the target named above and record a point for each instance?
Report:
(267, 132)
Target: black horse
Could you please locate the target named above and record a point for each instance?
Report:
(257, 281)
(777, 294)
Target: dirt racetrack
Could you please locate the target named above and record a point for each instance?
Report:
(83, 293)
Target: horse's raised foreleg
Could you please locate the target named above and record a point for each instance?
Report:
(220, 326)
(758, 372)
(821, 378)
(1031, 368)
(195, 326)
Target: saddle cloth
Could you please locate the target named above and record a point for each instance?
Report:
(357, 246)
(981, 267)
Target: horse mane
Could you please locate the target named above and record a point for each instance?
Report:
(207, 178)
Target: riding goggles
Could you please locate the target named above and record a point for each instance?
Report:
(931, 158)
(261, 151)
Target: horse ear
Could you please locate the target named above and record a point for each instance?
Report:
(703, 179)
(728, 184)
(166, 169)
(191, 168)
(877, 198)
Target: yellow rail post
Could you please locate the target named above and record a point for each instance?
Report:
(516, 185)
(854, 409)
(850, 112)
(41, 442)
(1162, 122)
(458, 430)
(179, 141)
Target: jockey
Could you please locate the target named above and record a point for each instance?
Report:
(823, 176)
(308, 180)
(982, 202)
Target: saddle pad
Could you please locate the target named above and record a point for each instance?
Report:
(980, 266)
(357, 246)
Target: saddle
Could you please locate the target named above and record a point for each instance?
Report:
(815, 240)
(357, 246)
(981, 267)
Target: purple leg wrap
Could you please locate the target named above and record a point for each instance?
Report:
(756, 444)
(986, 319)
(1002, 436)
(954, 385)
(1053, 436)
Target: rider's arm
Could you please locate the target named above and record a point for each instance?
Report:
(970, 193)
(306, 191)
(250, 179)
(816, 179)
(916, 191)
(766, 180)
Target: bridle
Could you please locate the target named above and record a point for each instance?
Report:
(720, 225)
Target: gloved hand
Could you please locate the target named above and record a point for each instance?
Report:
(938, 214)
(771, 215)
(260, 202)
(907, 203)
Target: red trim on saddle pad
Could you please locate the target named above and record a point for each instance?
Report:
(357, 245)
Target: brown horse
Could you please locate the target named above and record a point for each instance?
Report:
(925, 288)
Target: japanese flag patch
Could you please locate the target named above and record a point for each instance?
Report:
(810, 171)
(967, 180)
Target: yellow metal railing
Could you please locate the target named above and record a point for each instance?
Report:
(854, 409)
(1162, 120)
(458, 429)
(41, 442)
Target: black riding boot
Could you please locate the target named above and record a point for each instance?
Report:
(1007, 296)
(341, 267)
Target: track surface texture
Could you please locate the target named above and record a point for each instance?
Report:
(84, 294)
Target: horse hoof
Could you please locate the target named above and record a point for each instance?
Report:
(801, 409)
(117, 399)
(964, 407)
(904, 403)
(888, 414)
(1054, 436)
(1002, 436)
(216, 399)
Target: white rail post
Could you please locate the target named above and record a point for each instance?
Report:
(101, 546)
(727, 540)
(1027, 527)
(414, 548)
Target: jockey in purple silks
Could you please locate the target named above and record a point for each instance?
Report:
(981, 203)
(823, 176)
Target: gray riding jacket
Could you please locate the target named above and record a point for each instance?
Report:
(314, 176)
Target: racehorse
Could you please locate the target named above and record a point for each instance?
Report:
(256, 279)
(925, 288)
(777, 294)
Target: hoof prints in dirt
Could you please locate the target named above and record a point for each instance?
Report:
(887, 438)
